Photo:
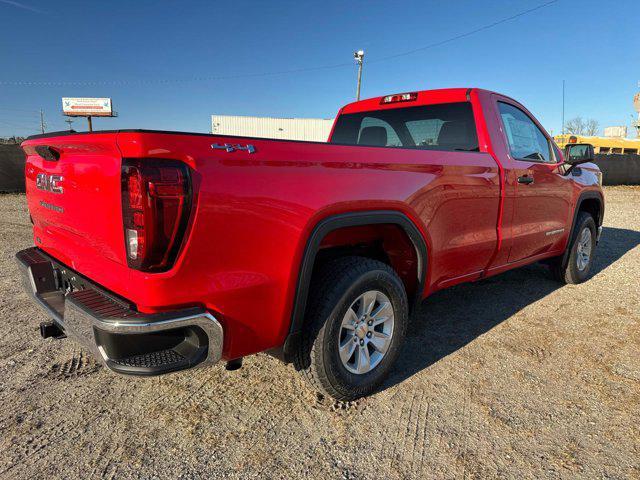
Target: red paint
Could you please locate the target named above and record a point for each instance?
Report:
(253, 213)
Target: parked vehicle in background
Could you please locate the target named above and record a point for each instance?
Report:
(162, 251)
(602, 145)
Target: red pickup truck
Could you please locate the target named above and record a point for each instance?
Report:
(162, 251)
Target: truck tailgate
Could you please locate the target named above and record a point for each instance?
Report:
(74, 197)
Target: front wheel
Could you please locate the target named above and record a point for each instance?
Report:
(356, 321)
(581, 251)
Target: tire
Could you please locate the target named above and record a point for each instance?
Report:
(576, 268)
(339, 296)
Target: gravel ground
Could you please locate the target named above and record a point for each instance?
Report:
(512, 377)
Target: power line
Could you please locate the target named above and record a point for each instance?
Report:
(15, 125)
(168, 80)
(27, 83)
(466, 34)
(19, 116)
(19, 110)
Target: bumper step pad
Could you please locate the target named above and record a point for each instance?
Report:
(163, 358)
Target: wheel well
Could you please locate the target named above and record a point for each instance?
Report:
(386, 235)
(593, 207)
(388, 243)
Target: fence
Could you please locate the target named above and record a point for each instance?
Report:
(619, 169)
(11, 169)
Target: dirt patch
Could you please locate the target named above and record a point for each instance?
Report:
(512, 377)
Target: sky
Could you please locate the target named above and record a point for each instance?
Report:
(170, 65)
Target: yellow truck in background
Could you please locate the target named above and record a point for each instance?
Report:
(604, 145)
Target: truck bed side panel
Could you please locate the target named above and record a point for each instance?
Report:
(255, 211)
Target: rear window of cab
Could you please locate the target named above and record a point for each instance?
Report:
(447, 126)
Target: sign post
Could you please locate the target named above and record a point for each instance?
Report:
(87, 107)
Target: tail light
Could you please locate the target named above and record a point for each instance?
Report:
(156, 203)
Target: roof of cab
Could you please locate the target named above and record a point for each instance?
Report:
(425, 97)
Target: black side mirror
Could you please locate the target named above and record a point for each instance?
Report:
(577, 153)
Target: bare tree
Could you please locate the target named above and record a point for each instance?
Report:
(591, 127)
(578, 126)
(575, 126)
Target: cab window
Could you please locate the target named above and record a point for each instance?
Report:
(526, 140)
(449, 127)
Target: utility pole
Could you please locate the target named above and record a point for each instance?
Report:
(636, 105)
(359, 56)
(42, 124)
(69, 121)
(562, 107)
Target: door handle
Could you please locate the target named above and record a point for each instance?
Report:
(525, 179)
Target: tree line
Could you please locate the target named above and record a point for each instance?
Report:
(11, 140)
(579, 126)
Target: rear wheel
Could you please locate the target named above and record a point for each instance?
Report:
(581, 250)
(355, 324)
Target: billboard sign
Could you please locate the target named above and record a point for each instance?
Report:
(85, 107)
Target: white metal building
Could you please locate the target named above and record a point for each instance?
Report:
(616, 132)
(310, 129)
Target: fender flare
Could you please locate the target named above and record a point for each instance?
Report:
(320, 231)
(591, 194)
(588, 195)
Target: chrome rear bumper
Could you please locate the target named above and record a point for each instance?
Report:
(126, 340)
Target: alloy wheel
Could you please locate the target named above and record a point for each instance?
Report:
(583, 253)
(366, 332)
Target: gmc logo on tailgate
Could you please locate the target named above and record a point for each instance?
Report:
(49, 183)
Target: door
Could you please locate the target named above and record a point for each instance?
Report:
(542, 202)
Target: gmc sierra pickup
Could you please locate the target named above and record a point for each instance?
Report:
(162, 251)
